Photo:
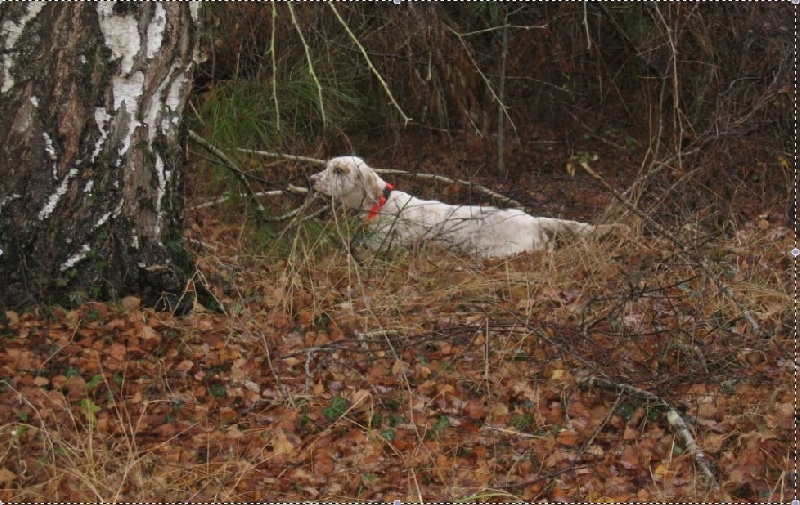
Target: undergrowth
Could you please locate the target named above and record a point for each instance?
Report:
(430, 374)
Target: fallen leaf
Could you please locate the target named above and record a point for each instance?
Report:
(281, 444)
(118, 351)
(130, 303)
(7, 476)
(567, 437)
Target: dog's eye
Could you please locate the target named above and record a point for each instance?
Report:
(338, 170)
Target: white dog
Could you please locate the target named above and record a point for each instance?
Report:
(397, 218)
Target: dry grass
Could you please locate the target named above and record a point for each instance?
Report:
(442, 342)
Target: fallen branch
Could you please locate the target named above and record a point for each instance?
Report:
(384, 171)
(674, 418)
(482, 189)
(290, 157)
(225, 161)
(546, 477)
(390, 171)
(290, 190)
(251, 195)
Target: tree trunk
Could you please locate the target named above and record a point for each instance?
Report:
(92, 150)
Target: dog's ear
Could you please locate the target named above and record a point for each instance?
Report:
(371, 187)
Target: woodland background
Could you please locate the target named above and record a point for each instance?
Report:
(306, 373)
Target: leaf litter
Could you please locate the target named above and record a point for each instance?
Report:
(421, 376)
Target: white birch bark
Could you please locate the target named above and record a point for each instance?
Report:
(92, 145)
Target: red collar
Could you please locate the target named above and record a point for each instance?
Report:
(373, 211)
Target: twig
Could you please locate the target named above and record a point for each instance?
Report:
(307, 367)
(290, 157)
(586, 27)
(509, 201)
(376, 333)
(674, 418)
(297, 212)
(528, 483)
(501, 92)
(507, 431)
(724, 289)
(230, 165)
(602, 425)
(274, 70)
(483, 76)
(251, 195)
(494, 28)
(390, 171)
(308, 61)
(290, 189)
(377, 74)
(677, 113)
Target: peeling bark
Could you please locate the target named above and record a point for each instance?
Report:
(92, 150)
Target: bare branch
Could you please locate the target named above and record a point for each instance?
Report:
(290, 157)
(388, 171)
(701, 262)
(308, 61)
(483, 76)
(674, 418)
(377, 74)
(502, 198)
(230, 165)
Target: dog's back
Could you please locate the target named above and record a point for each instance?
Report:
(400, 218)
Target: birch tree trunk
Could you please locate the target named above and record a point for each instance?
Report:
(92, 150)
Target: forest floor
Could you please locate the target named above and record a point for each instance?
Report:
(423, 376)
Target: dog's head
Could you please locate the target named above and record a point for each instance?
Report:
(348, 179)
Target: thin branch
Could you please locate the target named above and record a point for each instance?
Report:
(377, 74)
(225, 161)
(724, 289)
(308, 60)
(501, 165)
(290, 157)
(290, 190)
(230, 165)
(674, 418)
(495, 28)
(388, 171)
(546, 477)
(483, 76)
(482, 189)
(586, 27)
(274, 70)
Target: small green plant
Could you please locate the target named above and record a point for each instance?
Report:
(521, 422)
(336, 409)
(89, 410)
(19, 430)
(94, 381)
(581, 158)
(218, 390)
(627, 409)
(441, 424)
